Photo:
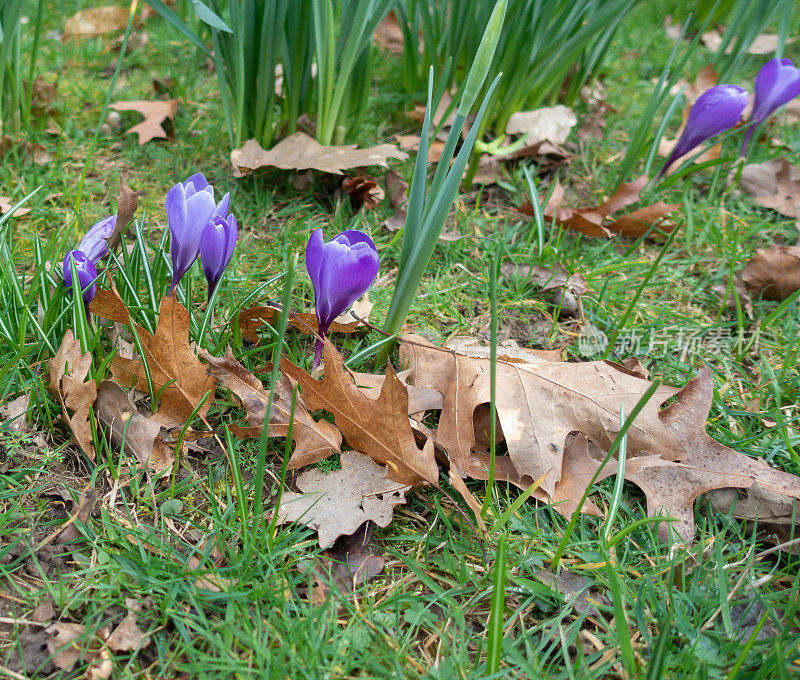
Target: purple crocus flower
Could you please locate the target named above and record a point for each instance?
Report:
(718, 109)
(341, 271)
(86, 274)
(777, 83)
(216, 248)
(190, 205)
(94, 245)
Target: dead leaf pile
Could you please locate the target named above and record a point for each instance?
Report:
(598, 221)
(301, 152)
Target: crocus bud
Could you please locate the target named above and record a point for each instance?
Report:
(190, 205)
(716, 110)
(86, 274)
(483, 58)
(341, 271)
(216, 248)
(94, 245)
(777, 83)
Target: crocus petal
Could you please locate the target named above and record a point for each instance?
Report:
(341, 271)
(94, 244)
(716, 110)
(777, 83)
(314, 255)
(223, 206)
(187, 216)
(216, 248)
(86, 274)
(195, 183)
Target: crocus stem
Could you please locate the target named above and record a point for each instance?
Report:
(317, 355)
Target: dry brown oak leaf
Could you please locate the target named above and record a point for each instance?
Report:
(68, 372)
(377, 427)
(155, 113)
(594, 220)
(301, 152)
(174, 366)
(338, 503)
(540, 404)
(128, 427)
(773, 273)
(313, 440)
(672, 487)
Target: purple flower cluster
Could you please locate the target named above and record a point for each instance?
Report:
(199, 226)
(720, 108)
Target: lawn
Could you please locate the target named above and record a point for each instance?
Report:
(110, 568)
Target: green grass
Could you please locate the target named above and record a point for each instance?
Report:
(428, 614)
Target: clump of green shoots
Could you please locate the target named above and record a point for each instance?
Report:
(428, 210)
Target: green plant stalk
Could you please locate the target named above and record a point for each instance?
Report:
(619, 481)
(497, 610)
(611, 451)
(283, 322)
(287, 454)
(487, 501)
(623, 631)
(629, 309)
(426, 235)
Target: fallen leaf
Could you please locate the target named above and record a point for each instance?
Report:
(763, 43)
(313, 440)
(63, 644)
(398, 197)
(438, 118)
(337, 503)
(775, 184)
(567, 288)
(301, 152)
(96, 21)
(593, 221)
(250, 320)
(7, 203)
(389, 35)
(139, 434)
(411, 143)
(378, 427)
(364, 192)
(578, 590)
(176, 372)
(44, 612)
(773, 273)
(419, 399)
(127, 203)
(127, 636)
(353, 560)
(507, 350)
(753, 504)
(13, 414)
(552, 123)
(24, 150)
(540, 405)
(739, 290)
(69, 370)
(671, 486)
(155, 113)
(672, 31)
